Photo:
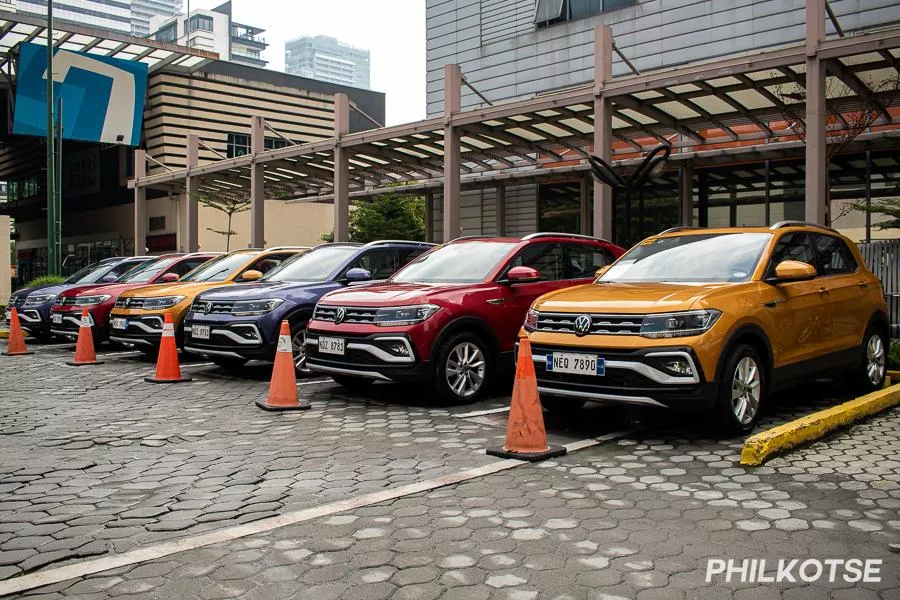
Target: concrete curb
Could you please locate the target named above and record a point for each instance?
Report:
(759, 447)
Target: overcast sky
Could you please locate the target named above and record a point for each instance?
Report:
(393, 30)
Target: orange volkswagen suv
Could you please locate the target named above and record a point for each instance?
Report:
(713, 319)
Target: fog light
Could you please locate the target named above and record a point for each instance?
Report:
(678, 366)
(397, 348)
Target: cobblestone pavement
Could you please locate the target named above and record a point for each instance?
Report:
(95, 462)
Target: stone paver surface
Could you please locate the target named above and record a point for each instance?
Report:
(97, 462)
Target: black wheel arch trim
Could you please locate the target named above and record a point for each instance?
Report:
(468, 323)
(880, 318)
(742, 331)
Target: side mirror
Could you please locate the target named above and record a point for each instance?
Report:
(357, 274)
(793, 270)
(523, 275)
(170, 278)
(599, 272)
(108, 278)
(251, 275)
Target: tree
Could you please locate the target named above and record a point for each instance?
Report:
(886, 206)
(230, 205)
(841, 127)
(386, 217)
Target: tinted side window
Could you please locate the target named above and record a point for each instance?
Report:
(186, 266)
(124, 267)
(547, 259)
(834, 256)
(380, 263)
(268, 262)
(793, 246)
(584, 260)
(407, 256)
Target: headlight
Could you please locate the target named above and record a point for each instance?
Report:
(161, 302)
(90, 300)
(678, 324)
(249, 308)
(39, 299)
(404, 315)
(531, 318)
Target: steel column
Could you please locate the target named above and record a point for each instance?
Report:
(257, 184)
(54, 266)
(687, 195)
(191, 224)
(603, 194)
(501, 208)
(703, 199)
(584, 206)
(768, 192)
(452, 158)
(816, 157)
(429, 216)
(868, 196)
(140, 203)
(341, 169)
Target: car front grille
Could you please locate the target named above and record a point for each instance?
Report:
(130, 303)
(67, 301)
(345, 314)
(212, 308)
(600, 324)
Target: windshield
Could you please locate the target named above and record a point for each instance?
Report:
(148, 271)
(709, 257)
(316, 265)
(90, 273)
(220, 268)
(468, 262)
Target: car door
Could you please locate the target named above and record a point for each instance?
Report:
(516, 298)
(583, 260)
(380, 262)
(845, 291)
(794, 309)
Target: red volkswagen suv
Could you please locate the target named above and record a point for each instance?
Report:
(451, 316)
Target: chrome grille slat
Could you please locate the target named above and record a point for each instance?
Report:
(603, 324)
(351, 314)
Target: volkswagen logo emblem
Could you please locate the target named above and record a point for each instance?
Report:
(582, 325)
(339, 315)
(207, 306)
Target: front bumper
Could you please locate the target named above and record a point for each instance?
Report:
(367, 356)
(229, 339)
(71, 325)
(631, 377)
(31, 319)
(140, 330)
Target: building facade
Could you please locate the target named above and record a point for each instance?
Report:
(124, 16)
(215, 31)
(327, 59)
(518, 49)
(144, 10)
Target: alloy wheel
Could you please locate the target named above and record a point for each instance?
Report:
(465, 369)
(875, 359)
(298, 349)
(745, 388)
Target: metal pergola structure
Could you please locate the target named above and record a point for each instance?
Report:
(707, 111)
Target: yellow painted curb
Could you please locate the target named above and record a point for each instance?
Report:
(759, 447)
(894, 375)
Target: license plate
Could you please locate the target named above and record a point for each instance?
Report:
(200, 332)
(120, 323)
(56, 318)
(576, 364)
(330, 345)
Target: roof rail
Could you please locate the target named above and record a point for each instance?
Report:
(286, 248)
(679, 228)
(783, 224)
(573, 236)
(416, 242)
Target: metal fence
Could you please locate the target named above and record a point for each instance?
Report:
(883, 259)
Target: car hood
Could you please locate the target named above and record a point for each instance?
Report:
(388, 294)
(112, 289)
(158, 290)
(264, 290)
(54, 289)
(628, 298)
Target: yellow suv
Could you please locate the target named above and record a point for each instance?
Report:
(713, 319)
(138, 315)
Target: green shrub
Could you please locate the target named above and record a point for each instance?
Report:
(45, 280)
(894, 356)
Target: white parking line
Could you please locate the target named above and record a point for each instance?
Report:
(315, 381)
(140, 555)
(478, 413)
(130, 352)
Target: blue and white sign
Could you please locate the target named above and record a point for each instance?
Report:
(102, 97)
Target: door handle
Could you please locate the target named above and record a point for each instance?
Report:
(495, 301)
(823, 290)
(863, 284)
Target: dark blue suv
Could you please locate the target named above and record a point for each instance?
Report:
(235, 324)
(34, 304)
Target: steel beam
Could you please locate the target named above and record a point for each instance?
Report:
(191, 224)
(341, 171)
(603, 194)
(140, 204)
(452, 158)
(816, 157)
(257, 184)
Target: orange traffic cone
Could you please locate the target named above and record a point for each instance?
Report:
(526, 438)
(283, 388)
(167, 369)
(84, 348)
(16, 344)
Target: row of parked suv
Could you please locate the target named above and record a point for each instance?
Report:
(697, 319)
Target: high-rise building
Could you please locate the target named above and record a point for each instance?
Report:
(123, 16)
(327, 59)
(213, 30)
(144, 10)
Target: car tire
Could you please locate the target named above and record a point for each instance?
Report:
(352, 383)
(229, 364)
(463, 369)
(869, 374)
(563, 407)
(742, 388)
(298, 342)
